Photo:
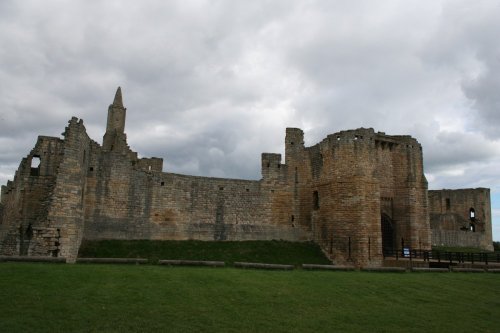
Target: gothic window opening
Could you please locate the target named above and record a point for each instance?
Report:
(448, 204)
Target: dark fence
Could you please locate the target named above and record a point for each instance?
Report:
(443, 256)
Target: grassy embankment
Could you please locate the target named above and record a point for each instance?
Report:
(122, 298)
(273, 252)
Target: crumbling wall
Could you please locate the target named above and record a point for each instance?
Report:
(65, 215)
(26, 200)
(461, 218)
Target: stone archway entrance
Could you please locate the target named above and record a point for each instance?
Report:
(387, 227)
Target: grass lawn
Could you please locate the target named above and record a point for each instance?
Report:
(271, 252)
(149, 298)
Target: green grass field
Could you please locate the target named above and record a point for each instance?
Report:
(151, 298)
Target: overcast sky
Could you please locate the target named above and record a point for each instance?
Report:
(210, 85)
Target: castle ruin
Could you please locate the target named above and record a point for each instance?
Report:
(357, 193)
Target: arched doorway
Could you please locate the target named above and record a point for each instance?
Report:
(387, 234)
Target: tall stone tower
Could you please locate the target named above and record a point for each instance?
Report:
(115, 137)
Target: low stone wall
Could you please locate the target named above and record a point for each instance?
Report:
(263, 266)
(192, 263)
(112, 260)
(457, 238)
(430, 270)
(33, 259)
(384, 269)
(327, 267)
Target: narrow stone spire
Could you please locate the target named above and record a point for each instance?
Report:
(115, 128)
(118, 98)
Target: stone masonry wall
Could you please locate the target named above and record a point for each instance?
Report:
(130, 203)
(26, 200)
(65, 215)
(461, 218)
(345, 183)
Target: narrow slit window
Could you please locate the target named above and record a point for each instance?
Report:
(315, 200)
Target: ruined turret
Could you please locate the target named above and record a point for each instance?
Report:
(115, 137)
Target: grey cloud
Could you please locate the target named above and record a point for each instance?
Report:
(449, 149)
(484, 91)
(211, 86)
(466, 42)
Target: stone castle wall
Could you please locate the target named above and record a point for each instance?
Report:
(461, 218)
(26, 199)
(356, 193)
(348, 180)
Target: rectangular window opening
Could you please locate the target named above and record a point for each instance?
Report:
(315, 200)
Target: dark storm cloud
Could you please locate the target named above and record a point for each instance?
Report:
(211, 85)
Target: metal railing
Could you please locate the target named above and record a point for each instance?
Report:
(443, 256)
